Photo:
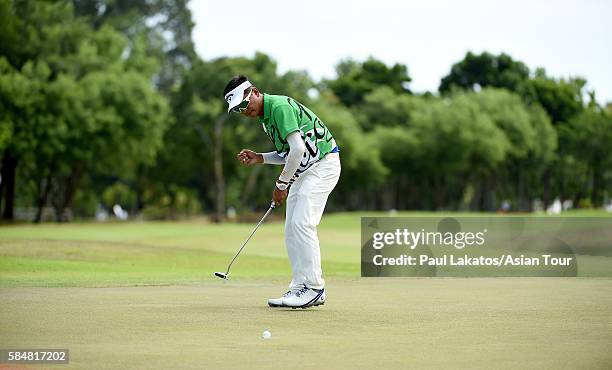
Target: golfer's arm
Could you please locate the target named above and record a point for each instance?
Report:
(294, 158)
(272, 158)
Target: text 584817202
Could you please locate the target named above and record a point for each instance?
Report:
(34, 356)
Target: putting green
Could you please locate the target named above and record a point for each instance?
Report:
(367, 324)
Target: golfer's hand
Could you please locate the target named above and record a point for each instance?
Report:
(248, 157)
(279, 196)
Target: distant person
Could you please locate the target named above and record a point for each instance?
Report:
(308, 151)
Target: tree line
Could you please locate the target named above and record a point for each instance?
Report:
(105, 103)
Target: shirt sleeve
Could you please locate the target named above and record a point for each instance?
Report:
(286, 120)
(294, 158)
(272, 158)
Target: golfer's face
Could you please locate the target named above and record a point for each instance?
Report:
(252, 109)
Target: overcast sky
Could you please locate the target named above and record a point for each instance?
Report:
(568, 38)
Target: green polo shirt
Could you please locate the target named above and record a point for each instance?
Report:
(284, 115)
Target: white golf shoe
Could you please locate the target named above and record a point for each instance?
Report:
(278, 302)
(304, 298)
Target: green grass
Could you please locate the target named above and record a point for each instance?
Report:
(142, 295)
(367, 323)
(105, 254)
(98, 254)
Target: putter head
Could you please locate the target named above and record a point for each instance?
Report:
(221, 275)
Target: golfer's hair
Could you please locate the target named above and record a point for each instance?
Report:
(235, 81)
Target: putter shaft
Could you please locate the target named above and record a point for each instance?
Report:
(249, 238)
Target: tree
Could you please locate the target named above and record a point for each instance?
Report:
(384, 107)
(163, 27)
(532, 142)
(431, 146)
(591, 129)
(355, 80)
(484, 70)
(561, 98)
(362, 169)
(76, 105)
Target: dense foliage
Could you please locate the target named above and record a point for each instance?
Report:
(105, 103)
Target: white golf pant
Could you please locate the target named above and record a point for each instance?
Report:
(305, 204)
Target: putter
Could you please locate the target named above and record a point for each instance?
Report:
(226, 274)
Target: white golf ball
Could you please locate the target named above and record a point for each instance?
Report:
(266, 334)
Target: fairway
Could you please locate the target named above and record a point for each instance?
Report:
(142, 295)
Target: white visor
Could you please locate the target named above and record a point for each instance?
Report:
(236, 96)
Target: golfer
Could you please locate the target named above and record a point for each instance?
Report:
(310, 156)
